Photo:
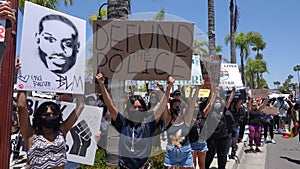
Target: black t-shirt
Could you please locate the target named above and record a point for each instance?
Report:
(255, 117)
(197, 127)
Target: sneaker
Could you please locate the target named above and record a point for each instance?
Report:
(280, 131)
(273, 141)
(257, 150)
(265, 141)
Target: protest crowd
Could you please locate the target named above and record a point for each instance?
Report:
(188, 123)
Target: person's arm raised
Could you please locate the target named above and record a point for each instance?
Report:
(27, 130)
(72, 118)
(106, 97)
(191, 106)
(264, 103)
(211, 100)
(162, 106)
(232, 94)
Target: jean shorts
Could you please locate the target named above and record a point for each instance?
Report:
(199, 146)
(179, 156)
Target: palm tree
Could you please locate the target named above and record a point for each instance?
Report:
(52, 4)
(243, 43)
(276, 83)
(211, 27)
(257, 43)
(297, 69)
(118, 9)
(233, 26)
(253, 67)
(160, 16)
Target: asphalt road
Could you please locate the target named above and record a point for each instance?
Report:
(285, 154)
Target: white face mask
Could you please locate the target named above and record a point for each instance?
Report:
(217, 106)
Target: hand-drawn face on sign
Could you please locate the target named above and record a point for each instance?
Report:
(57, 49)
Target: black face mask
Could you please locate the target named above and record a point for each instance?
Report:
(136, 116)
(50, 122)
(176, 111)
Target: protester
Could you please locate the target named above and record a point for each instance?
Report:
(178, 122)
(283, 106)
(238, 113)
(136, 131)
(291, 103)
(217, 120)
(197, 135)
(45, 138)
(254, 111)
(294, 111)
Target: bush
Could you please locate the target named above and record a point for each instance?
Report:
(157, 160)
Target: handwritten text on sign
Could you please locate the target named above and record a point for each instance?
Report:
(143, 50)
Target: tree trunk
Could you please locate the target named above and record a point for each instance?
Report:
(242, 67)
(257, 79)
(232, 33)
(116, 9)
(211, 27)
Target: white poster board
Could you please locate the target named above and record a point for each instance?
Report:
(87, 125)
(196, 74)
(230, 75)
(52, 51)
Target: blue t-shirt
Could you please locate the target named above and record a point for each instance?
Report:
(135, 144)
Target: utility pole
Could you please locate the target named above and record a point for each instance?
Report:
(6, 90)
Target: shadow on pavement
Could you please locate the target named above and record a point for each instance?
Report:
(291, 160)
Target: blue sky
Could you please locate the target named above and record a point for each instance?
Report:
(275, 20)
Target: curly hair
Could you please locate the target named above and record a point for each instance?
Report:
(37, 116)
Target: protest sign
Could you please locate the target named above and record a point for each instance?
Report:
(259, 93)
(196, 75)
(240, 93)
(81, 143)
(210, 65)
(230, 75)
(204, 92)
(270, 110)
(52, 51)
(143, 50)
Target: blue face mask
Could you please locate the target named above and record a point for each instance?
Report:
(217, 106)
(91, 102)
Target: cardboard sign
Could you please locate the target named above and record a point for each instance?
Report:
(230, 75)
(196, 75)
(52, 51)
(211, 69)
(143, 50)
(259, 93)
(83, 131)
(270, 110)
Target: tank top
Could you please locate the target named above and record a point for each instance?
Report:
(43, 154)
(178, 135)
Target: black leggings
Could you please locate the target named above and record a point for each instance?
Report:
(216, 145)
(270, 127)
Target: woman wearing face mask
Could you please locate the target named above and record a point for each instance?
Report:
(135, 140)
(217, 125)
(178, 149)
(255, 123)
(45, 138)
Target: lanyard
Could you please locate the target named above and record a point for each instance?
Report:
(132, 141)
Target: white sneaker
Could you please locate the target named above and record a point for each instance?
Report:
(273, 141)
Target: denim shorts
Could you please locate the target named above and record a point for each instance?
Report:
(199, 146)
(179, 156)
